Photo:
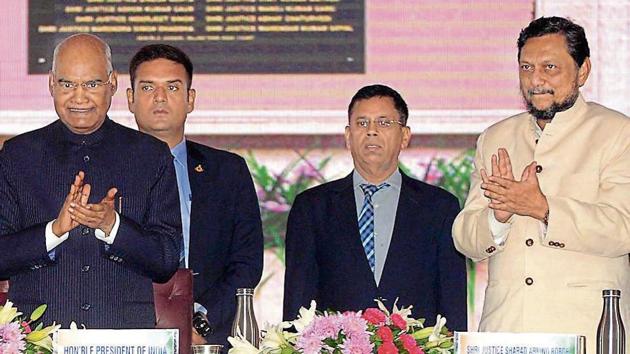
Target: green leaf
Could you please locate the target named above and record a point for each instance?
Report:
(329, 342)
(287, 350)
(446, 344)
(39, 312)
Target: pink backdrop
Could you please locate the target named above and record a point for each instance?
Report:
(439, 54)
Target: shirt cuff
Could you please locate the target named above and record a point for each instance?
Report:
(100, 234)
(197, 307)
(499, 230)
(543, 230)
(53, 240)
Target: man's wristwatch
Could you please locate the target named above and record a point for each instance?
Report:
(201, 325)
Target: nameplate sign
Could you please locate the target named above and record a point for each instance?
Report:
(517, 343)
(116, 341)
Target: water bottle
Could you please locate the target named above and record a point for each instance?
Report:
(611, 335)
(245, 320)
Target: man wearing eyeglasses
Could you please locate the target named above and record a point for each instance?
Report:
(88, 208)
(376, 233)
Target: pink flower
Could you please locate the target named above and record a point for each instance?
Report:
(398, 321)
(433, 176)
(353, 325)
(409, 343)
(308, 170)
(309, 345)
(274, 206)
(432, 173)
(357, 345)
(12, 338)
(27, 328)
(11, 332)
(374, 316)
(385, 333)
(320, 328)
(416, 350)
(387, 348)
(280, 178)
(350, 324)
(261, 193)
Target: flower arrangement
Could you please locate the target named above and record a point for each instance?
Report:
(374, 330)
(19, 336)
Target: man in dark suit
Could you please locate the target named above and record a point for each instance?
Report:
(91, 248)
(375, 233)
(223, 239)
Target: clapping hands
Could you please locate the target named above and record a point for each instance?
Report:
(509, 196)
(76, 211)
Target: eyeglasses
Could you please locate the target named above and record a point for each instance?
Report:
(91, 86)
(381, 123)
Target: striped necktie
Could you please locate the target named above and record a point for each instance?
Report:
(366, 221)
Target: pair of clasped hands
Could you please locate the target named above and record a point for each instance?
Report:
(76, 210)
(509, 196)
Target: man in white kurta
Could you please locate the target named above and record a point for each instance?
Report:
(558, 233)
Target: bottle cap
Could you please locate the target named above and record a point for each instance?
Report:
(611, 293)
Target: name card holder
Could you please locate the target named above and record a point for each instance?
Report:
(518, 343)
(116, 341)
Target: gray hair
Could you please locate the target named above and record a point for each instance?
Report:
(107, 50)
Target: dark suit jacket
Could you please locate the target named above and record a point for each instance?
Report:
(88, 281)
(226, 240)
(326, 261)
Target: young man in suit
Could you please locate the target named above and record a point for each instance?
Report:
(376, 233)
(223, 242)
(91, 248)
(560, 234)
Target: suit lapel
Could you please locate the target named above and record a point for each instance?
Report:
(202, 176)
(203, 173)
(410, 215)
(344, 208)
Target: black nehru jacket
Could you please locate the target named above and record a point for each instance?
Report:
(88, 281)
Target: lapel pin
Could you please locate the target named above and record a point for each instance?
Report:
(199, 168)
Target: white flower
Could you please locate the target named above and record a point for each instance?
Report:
(41, 337)
(241, 345)
(305, 317)
(404, 312)
(439, 323)
(276, 339)
(8, 313)
(382, 307)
